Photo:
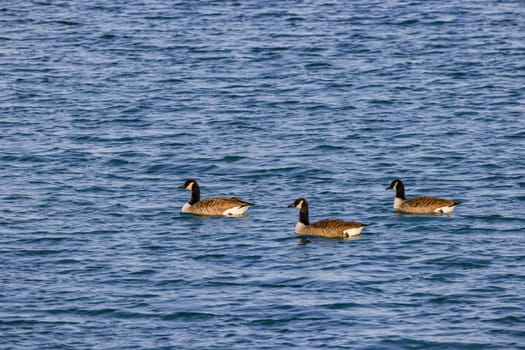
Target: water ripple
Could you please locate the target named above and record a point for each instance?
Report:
(109, 107)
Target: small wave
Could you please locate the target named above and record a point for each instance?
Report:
(188, 316)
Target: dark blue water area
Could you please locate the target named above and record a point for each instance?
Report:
(107, 107)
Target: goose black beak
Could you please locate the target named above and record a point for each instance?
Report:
(291, 205)
(389, 188)
(182, 186)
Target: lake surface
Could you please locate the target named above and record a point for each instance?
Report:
(107, 107)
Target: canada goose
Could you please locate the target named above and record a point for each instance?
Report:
(329, 228)
(421, 204)
(223, 206)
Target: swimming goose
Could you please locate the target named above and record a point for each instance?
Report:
(421, 204)
(328, 228)
(222, 206)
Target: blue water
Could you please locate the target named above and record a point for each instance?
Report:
(106, 107)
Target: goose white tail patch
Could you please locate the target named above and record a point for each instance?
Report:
(352, 232)
(444, 210)
(236, 211)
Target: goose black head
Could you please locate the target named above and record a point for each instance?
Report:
(298, 203)
(394, 185)
(188, 185)
(397, 186)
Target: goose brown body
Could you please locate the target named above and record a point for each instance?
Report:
(426, 205)
(421, 204)
(332, 228)
(328, 228)
(216, 206)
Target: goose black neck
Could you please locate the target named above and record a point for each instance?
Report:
(195, 194)
(400, 190)
(303, 215)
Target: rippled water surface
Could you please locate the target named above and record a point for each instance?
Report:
(108, 106)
